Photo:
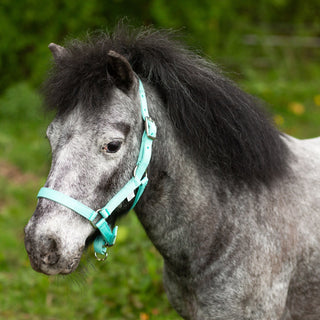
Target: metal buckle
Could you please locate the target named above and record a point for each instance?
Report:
(91, 222)
(148, 124)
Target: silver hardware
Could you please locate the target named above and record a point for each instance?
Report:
(92, 223)
(135, 172)
(146, 127)
(102, 258)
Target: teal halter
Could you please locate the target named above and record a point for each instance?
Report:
(107, 237)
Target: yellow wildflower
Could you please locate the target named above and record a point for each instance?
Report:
(297, 108)
(317, 100)
(144, 316)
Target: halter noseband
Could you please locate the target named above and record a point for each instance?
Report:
(107, 237)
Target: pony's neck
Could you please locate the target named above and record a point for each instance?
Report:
(180, 206)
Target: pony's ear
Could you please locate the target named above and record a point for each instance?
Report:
(57, 51)
(120, 70)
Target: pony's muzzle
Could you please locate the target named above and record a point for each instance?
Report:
(51, 248)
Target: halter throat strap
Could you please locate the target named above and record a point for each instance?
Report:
(137, 183)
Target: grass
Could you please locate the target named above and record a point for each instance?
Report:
(129, 284)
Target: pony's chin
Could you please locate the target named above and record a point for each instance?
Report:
(60, 270)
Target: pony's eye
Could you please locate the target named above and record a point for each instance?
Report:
(112, 147)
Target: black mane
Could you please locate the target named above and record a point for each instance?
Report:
(224, 126)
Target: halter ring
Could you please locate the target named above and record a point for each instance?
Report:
(104, 257)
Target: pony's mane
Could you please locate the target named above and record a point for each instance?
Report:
(222, 126)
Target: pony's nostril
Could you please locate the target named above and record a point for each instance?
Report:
(50, 258)
(50, 252)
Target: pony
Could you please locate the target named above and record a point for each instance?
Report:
(232, 204)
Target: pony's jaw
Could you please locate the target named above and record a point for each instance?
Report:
(52, 246)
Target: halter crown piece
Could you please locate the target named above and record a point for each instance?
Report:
(107, 236)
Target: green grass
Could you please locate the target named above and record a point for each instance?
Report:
(22, 129)
(129, 284)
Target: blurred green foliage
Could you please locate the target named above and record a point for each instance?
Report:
(21, 131)
(269, 47)
(217, 27)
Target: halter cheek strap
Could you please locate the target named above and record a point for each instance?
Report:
(138, 182)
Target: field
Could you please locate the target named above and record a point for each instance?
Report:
(129, 284)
